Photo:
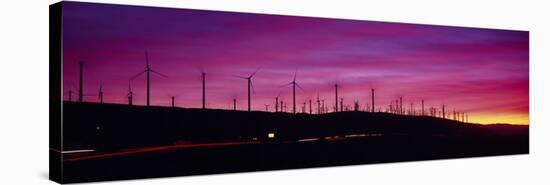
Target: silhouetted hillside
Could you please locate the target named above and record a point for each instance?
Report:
(508, 130)
(119, 126)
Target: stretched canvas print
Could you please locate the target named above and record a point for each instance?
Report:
(141, 92)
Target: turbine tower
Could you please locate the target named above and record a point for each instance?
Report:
(318, 104)
(100, 93)
(454, 114)
(130, 94)
(372, 97)
(310, 111)
(336, 98)
(203, 90)
(249, 80)
(234, 103)
(323, 105)
(81, 82)
(173, 99)
(277, 102)
(69, 94)
(401, 105)
(397, 106)
(443, 109)
(422, 107)
(147, 72)
(341, 104)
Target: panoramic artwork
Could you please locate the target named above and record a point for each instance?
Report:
(155, 92)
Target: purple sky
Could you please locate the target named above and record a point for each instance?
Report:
(484, 72)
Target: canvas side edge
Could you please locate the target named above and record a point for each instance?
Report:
(55, 93)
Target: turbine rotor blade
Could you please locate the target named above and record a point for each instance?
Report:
(237, 76)
(159, 73)
(255, 72)
(252, 86)
(135, 76)
(300, 87)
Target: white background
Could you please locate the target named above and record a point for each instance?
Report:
(24, 91)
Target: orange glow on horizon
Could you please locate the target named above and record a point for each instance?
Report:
(495, 118)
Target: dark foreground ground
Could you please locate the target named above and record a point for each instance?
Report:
(238, 144)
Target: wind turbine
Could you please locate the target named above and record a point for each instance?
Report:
(249, 80)
(148, 71)
(341, 105)
(130, 94)
(277, 102)
(412, 109)
(318, 104)
(100, 93)
(70, 95)
(454, 114)
(294, 84)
